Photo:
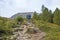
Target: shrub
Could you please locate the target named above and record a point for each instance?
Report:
(19, 19)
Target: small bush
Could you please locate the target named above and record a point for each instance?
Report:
(19, 19)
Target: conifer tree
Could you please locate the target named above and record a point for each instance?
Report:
(46, 14)
(56, 18)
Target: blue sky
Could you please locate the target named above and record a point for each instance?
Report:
(11, 7)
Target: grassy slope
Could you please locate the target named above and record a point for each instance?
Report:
(52, 30)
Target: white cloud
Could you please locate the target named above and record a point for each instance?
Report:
(10, 7)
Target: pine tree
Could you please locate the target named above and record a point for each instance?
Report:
(56, 18)
(50, 16)
(46, 15)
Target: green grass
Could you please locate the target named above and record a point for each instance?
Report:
(52, 30)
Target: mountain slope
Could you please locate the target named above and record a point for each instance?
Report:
(52, 30)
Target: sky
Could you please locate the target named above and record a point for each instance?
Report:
(11, 7)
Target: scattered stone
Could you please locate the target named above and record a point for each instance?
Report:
(30, 32)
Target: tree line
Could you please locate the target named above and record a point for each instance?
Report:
(48, 16)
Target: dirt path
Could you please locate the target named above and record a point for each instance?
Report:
(22, 35)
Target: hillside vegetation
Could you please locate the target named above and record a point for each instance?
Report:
(6, 27)
(52, 30)
(49, 22)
